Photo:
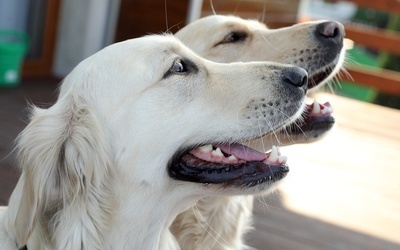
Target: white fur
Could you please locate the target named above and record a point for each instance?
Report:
(94, 165)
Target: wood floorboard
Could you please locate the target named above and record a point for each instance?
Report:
(13, 119)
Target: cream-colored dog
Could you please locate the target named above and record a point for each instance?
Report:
(95, 173)
(220, 222)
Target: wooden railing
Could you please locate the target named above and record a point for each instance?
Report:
(384, 80)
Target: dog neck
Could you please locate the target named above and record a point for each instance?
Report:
(143, 222)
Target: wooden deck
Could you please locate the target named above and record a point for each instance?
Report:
(342, 192)
(13, 119)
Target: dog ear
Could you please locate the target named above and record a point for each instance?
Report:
(64, 158)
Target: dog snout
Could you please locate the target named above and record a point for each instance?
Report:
(296, 76)
(330, 32)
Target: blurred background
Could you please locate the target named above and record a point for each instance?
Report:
(343, 192)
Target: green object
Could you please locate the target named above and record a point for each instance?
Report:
(357, 92)
(13, 48)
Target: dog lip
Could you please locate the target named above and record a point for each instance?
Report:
(187, 167)
(242, 174)
(312, 123)
(317, 77)
(316, 117)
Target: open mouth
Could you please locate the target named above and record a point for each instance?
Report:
(316, 120)
(229, 164)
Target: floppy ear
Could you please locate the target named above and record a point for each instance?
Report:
(63, 155)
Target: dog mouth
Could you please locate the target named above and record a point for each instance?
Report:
(316, 119)
(229, 164)
(317, 112)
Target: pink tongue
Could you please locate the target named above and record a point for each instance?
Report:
(242, 152)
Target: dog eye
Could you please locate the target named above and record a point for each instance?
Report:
(178, 67)
(234, 37)
(181, 67)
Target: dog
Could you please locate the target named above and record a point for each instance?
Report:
(316, 46)
(126, 146)
(221, 222)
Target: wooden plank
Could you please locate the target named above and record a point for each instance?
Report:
(374, 38)
(143, 17)
(382, 79)
(392, 6)
(269, 6)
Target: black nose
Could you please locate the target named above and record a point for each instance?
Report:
(330, 32)
(296, 76)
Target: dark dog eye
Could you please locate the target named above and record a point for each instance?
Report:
(234, 37)
(179, 67)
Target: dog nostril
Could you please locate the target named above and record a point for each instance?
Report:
(330, 30)
(296, 76)
(304, 81)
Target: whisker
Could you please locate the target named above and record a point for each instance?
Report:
(264, 202)
(262, 141)
(173, 26)
(236, 8)
(273, 131)
(264, 11)
(203, 220)
(212, 7)
(347, 73)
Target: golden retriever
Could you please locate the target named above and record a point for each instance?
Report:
(315, 46)
(126, 146)
(220, 222)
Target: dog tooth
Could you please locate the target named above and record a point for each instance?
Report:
(206, 148)
(316, 108)
(232, 158)
(273, 156)
(217, 152)
(282, 159)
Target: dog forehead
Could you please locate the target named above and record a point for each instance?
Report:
(229, 22)
(140, 61)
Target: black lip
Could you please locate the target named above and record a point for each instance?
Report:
(243, 174)
(312, 126)
(316, 78)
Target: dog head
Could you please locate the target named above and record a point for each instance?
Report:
(315, 46)
(134, 127)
